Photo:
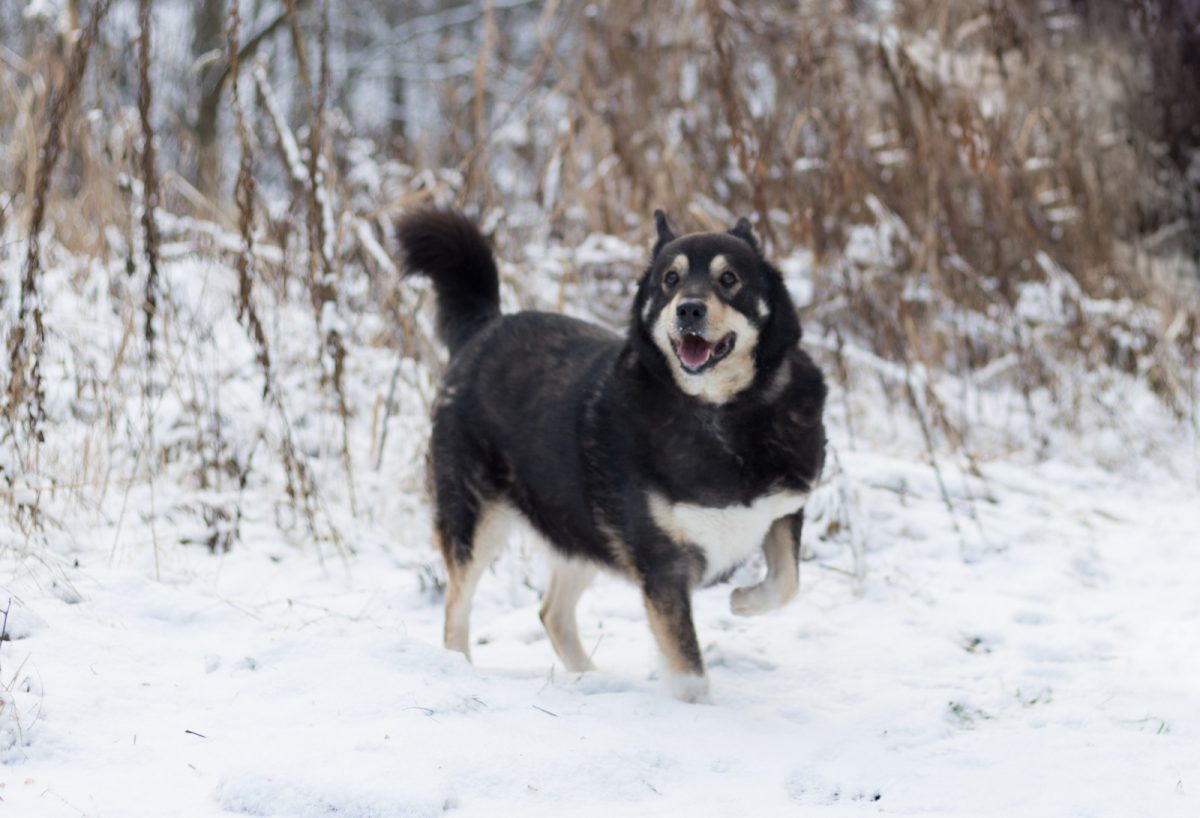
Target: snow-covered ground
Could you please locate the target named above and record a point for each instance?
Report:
(1023, 641)
(1041, 660)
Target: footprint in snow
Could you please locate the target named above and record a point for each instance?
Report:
(737, 662)
(809, 789)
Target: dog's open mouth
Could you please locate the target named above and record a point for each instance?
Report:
(696, 353)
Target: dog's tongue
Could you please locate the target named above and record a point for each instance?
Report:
(694, 351)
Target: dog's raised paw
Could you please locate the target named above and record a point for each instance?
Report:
(751, 600)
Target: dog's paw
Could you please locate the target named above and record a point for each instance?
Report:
(690, 688)
(752, 600)
(767, 595)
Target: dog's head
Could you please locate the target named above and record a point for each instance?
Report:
(713, 312)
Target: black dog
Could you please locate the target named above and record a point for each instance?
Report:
(669, 455)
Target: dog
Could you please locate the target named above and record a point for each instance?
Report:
(669, 455)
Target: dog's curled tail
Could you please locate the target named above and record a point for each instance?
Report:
(446, 246)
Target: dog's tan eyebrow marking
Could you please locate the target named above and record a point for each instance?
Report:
(679, 264)
(717, 268)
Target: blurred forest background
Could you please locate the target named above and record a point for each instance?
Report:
(969, 199)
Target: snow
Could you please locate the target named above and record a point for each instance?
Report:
(42, 10)
(1024, 640)
(1054, 673)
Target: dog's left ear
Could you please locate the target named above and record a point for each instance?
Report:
(665, 234)
(745, 231)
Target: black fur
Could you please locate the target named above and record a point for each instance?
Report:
(575, 426)
(745, 231)
(447, 247)
(665, 233)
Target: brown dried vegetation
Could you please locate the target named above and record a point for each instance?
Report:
(993, 190)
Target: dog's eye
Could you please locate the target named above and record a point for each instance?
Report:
(728, 279)
(671, 278)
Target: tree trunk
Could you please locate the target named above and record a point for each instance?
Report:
(208, 24)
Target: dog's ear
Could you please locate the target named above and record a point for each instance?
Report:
(745, 231)
(665, 233)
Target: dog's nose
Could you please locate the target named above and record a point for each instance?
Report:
(691, 310)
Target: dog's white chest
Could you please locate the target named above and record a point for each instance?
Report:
(726, 535)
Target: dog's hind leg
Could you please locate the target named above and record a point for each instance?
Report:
(468, 556)
(568, 580)
(781, 547)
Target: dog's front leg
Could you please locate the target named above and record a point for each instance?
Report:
(782, 550)
(668, 598)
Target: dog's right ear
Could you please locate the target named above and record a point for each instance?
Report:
(665, 234)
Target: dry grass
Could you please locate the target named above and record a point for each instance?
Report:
(24, 407)
(944, 170)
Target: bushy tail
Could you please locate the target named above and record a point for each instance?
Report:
(446, 246)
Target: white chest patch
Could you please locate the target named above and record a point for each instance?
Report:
(726, 535)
